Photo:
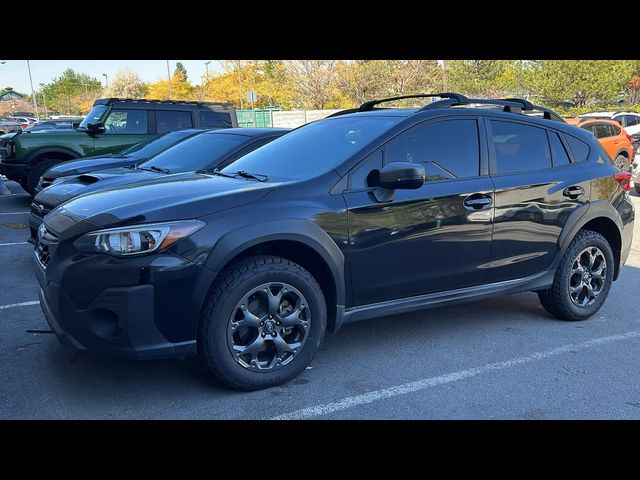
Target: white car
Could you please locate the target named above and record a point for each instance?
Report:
(630, 121)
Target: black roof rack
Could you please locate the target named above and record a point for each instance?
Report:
(112, 100)
(368, 106)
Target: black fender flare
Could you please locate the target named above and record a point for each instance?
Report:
(579, 218)
(233, 243)
(41, 151)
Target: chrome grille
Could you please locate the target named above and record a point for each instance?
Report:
(46, 241)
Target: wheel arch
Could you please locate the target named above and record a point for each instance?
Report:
(601, 217)
(54, 152)
(298, 240)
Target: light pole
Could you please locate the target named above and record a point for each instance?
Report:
(106, 79)
(169, 77)
(206, 66)
(240, 83)
(44, 100)
(33, 94)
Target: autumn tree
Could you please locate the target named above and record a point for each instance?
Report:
(181, 89)
(180, 69)
(126, 84)
(314, 82)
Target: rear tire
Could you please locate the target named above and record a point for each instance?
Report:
(579, 290)
(231, 303)
(34, 175)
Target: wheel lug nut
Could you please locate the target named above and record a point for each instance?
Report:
(264, 334)
(273, 334)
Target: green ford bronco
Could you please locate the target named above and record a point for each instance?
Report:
(111, 126)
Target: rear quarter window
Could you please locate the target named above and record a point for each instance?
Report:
(579, 148)
(212, 119)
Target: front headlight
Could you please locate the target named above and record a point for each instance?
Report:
(138, 239)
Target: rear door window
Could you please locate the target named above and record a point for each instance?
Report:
(603, 130)
(168, 121)
(518, 148)
(558, 152)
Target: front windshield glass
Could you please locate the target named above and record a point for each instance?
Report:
(94, 116)
(155, 145)
(202, 151)
(313, 149)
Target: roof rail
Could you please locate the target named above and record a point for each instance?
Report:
(368, 106)
(507, 102)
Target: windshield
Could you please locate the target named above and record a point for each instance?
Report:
(313, 149)
(202, 151)
(156, 144)
(94, 116)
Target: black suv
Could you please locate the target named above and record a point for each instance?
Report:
(111, 126)
(372, 212)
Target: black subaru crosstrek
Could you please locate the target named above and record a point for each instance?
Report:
(372, 212)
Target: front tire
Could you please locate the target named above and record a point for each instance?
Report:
(262, 323)
(583, 279)
(36, 172)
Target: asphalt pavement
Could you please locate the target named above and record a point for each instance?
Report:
(503, 358)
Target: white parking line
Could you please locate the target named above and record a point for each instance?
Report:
(13, 243)
(23, 304)
(14, 213)
(418, 385)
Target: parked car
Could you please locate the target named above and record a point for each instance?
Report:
(364, 214)
(616, 142)
(51, 125)
(8, 125)
(112, 125)
(129, 156)
(203, 150)
(24, 121)
(630, 121)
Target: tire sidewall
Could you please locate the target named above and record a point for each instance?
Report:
(222, 357)
(36, 172)
(594, 240)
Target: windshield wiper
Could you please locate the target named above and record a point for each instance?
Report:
(153, 168)
(215, 171)
(252, 176)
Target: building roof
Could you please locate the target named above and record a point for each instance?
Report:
(11, 95)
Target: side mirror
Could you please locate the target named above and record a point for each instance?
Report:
(94, 128)
(402, 175)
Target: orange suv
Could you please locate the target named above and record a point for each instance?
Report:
(617, 143)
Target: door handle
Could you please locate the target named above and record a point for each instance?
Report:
(477, 201)
(573, 192)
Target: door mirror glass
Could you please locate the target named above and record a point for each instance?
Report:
(402, 175)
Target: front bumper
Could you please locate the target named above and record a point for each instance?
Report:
(150, 318)
(13, 171)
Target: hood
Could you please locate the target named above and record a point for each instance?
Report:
(169, 198)
(90, 164)
(77, 185)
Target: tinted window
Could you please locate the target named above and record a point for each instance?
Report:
(167, 121)
(210, 119)
(589, 128)
(579, 148)
(202, 151)
(558, 153)
(451, 145)
(315, 148)
(615, 130)
(519, 148)
(632, 120)
(126, 122)
(603, 131)
(155, 145)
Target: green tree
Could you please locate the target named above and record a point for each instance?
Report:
(484, 78)
(180, 69)
(585, 82)
(71, 93)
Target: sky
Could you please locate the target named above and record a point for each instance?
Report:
(14, 73)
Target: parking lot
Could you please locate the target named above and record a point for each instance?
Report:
(502, 358)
